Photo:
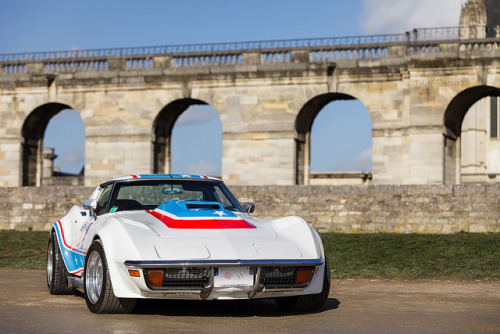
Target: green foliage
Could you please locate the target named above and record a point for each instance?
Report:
(378, 255)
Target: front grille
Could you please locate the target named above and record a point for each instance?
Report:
(186, 278)
(277, 277)
(199, 278)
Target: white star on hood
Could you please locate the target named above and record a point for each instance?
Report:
(220, 213)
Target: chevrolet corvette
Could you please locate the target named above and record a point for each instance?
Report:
(182, 237)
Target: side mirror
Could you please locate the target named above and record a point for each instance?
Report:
(90, 205)
(248, 207)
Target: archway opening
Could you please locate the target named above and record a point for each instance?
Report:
(53, 135)
(334, 143)
(471, 137)
(187, 139)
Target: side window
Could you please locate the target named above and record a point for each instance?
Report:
(223, 200)
(103, 200)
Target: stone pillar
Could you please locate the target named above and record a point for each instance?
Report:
(251, 58)
(10, 168)
(111, 156)
(389, 152)
(35, 67)
(48, 162)
(426, 155)
(303, 158)
(162, 62)
(473, 20)
(450, 159)
(118, 134)
(258, 140)
(117, 63)
(258, 158)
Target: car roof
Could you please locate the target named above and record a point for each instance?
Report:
(160, 177)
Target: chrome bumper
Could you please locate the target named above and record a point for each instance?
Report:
(209, 290)
(222, 263)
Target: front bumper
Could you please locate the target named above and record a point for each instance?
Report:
(271, 278)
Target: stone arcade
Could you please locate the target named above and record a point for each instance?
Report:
(416, 86)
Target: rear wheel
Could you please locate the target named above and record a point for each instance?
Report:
(98, 290)
(57, 274)
(307, 303)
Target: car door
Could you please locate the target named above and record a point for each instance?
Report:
(88, 229)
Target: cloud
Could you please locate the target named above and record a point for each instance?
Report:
(197, 114)
(363, 162)
(397, 16)
(72, 161)
(205, 168)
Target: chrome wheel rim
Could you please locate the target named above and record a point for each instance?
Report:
(94, 277)
(50, 263)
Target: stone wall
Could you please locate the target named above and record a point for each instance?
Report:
(37, 208)
(375, 208)
(382, 208)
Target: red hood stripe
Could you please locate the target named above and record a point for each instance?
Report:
(200, 223)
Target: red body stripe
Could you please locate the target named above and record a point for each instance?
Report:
(64, 240)
(62, 234)
(201, 223)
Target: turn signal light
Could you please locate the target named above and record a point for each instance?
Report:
(155, 277)
(134, 273)
(303, 275)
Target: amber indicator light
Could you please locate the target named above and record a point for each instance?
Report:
(134, 273)
(155, 277)
(303, 275)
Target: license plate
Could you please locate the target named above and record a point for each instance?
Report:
(233, 276)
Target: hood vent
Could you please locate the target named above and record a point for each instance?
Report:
(205, 206)
(189, 207)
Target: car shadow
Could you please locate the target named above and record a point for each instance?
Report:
(220, 308)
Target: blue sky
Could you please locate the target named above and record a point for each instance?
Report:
(31, 25)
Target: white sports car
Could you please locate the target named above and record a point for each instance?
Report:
(182, 237)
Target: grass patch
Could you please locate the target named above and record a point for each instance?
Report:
(23, 250)
(379, 255)
(384, 255)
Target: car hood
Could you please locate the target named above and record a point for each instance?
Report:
(217, 236)
(168, 223)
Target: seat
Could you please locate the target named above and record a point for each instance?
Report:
(127, 205)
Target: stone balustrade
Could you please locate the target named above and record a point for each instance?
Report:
(433, 41)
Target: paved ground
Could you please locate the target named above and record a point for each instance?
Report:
(354, 306)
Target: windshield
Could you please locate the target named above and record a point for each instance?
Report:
(147, 195)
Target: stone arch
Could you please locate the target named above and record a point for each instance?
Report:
(32, 134)
(453, 118)
(303, 125)
(162, 132)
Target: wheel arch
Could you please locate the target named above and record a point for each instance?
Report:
(301, 234)
(118, 247)
(73, 260)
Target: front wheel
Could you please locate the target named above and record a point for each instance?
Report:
(57, 274)
(307, 303)
(98, 289)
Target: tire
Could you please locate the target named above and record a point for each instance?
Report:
(98, 289)
(307, 303)
(57, 274)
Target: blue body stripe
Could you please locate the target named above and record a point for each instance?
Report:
(73, 258)
(180, 209)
